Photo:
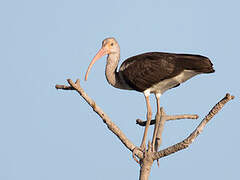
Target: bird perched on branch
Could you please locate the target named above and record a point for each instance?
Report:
(152, 72)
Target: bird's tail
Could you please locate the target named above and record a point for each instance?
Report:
(197, 63)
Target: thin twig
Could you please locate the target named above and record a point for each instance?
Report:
(169, 118)
(183, 116)
(64, 87)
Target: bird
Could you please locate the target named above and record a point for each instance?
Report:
(149, 73)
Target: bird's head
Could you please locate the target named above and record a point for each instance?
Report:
(109, 46)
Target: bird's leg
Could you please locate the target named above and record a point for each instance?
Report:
(157, 121)
(149, 116)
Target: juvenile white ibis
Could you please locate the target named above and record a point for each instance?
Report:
(152, 72)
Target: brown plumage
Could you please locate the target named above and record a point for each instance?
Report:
(144, 70)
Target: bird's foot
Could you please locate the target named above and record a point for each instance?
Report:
(142, 148)
(134, 154)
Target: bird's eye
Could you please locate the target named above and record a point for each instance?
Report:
(111, 44)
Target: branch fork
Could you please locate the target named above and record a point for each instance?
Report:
(149, 155)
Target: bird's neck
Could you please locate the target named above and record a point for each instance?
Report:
(113, 77)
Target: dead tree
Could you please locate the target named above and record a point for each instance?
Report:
(146, 158)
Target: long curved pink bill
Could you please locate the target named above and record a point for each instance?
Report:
(100, 54)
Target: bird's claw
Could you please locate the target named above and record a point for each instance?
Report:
(142, 149)
(134, 154)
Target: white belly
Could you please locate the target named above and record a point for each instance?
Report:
(166, 84)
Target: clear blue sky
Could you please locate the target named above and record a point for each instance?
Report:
(49, 134)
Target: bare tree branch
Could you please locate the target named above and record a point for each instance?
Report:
(148, 156)
(64, 87)
(158, 141)
(183, 116)
(146, 163)
(111, 126)
(163, 119)
(186, 142)
(169, 118)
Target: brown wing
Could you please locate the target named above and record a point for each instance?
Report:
(144, 70)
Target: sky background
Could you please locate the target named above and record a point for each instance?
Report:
(49, 134)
